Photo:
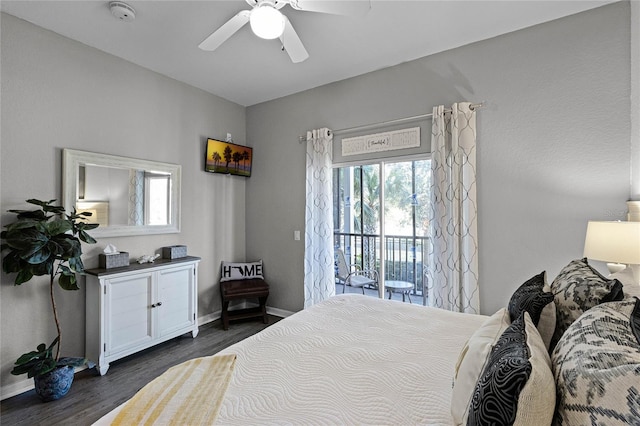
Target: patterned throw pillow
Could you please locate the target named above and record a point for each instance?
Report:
(596, 366)
(516, 386)
(240, 271)
(530, 297)
(578, 288)
(471, 362)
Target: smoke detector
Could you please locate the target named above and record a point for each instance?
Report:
(122, 11)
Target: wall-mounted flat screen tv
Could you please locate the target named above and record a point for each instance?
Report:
(228, 158)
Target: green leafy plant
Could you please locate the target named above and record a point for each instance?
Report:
(46, 241)
(41, 361)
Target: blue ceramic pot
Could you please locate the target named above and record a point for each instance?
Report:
(55, 384)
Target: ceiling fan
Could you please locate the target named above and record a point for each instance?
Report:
(269, 23)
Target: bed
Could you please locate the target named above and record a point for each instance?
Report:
(566, 353)
(352, 359)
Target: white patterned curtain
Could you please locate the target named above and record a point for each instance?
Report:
(136, 197)
(319, 281)
(453, 255)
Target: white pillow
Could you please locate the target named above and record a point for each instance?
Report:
(547, 323)
(240, 271)
(516, 386)
(471, 363)
(537, 400)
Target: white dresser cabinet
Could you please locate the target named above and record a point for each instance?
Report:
(131, 308)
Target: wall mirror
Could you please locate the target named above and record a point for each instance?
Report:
(126, 196)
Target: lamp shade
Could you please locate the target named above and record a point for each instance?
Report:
(266, 21)
(613, 242)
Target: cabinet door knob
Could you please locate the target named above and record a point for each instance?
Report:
(159, 303)
(154, 305)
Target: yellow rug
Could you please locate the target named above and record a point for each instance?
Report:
(187, 394)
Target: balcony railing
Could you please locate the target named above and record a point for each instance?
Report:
(405, 256)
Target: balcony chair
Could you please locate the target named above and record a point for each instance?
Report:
(354, 276)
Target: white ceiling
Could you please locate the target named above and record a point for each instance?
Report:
(247, 70)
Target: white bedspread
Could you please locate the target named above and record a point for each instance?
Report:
(350, 360)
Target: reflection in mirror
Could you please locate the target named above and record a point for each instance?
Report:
(135, 197)
(126, 196)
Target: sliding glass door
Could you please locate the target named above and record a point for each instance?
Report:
(406, 197)
(380, 214)
(357, 214)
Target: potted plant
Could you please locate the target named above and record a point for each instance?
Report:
(47, 241)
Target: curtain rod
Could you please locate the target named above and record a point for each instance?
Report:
(303, 138)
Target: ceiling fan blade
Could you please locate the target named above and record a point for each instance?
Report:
(224, 32)
(336, 7)
(292, 43)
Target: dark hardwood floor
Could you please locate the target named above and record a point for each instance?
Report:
(92, 396)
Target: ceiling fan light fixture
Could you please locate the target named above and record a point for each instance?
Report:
(266, 21)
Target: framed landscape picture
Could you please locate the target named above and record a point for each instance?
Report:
(228, 158)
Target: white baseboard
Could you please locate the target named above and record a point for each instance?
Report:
(209, 318)
(24, 386)
(218, 314)
(27, 384)
(279, 312)
(271, 311)
(16, 388)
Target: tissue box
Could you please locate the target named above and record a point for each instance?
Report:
(113, 260)
(174, 252)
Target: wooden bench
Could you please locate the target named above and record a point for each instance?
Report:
(244, 289)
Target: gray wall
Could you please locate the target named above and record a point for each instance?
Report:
(553, 145)
(635, 100)
(553, 152)
(57, 93)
